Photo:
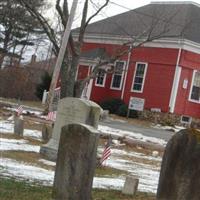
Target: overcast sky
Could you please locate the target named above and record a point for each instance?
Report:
(118, 6)
(115, 7)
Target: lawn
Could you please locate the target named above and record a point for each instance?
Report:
(11, 189)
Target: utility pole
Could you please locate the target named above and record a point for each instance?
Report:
(61, 55)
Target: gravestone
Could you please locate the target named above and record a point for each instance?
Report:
(180, 170)
(70, 110)
(18, 126)
(130, 185)
(46, 132)
(76, 162)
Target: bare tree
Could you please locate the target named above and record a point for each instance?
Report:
(15, 26)
(158, 27)
(73, 51)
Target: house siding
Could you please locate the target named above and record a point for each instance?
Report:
(189, 62)
(157, 86)
(159, 77)
(161, 65)
(82, 72)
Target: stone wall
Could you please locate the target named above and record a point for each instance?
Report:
(165, 119)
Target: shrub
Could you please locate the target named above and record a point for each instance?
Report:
(112, 105)
(123, 109)
(44, 85)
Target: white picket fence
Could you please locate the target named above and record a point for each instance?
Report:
(56, 97)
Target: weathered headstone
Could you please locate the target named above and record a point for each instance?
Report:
(75, 162)
(46, 132)
(130, 185)
(70, 110)
(104, 115)
(180, 170)
(18, 126)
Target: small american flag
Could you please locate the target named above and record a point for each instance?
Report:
(51, 116)
(107, 151)
(19, 110)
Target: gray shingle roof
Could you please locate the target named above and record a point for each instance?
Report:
(166, 20)
(95, 53)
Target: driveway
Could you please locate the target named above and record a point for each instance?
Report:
(151, 132)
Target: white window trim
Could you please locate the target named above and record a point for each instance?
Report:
(145, 71)
(114, 88)
(191, 86)
(104, 81)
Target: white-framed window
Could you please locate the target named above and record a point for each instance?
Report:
(100, 79)
(117, 76)
(139, 77)
(195, 87)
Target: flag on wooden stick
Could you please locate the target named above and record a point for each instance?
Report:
(51, 116)
(19, 110)
(107, 151)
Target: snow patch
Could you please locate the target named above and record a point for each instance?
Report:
(17, 145)
(47, 162)
(138, 136)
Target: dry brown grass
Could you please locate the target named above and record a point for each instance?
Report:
(26, 157)
(133, 121)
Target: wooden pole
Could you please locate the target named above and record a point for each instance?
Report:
(61, 56)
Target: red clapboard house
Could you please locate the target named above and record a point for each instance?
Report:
(164, 72)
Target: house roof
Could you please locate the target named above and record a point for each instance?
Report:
(168, 19)
(94, 54)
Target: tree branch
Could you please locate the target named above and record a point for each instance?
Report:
(97, 12)
(45, 25)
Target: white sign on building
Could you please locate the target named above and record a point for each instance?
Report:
(136, 103)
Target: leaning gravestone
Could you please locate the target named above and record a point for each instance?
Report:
(180, 170)
(70, 110)
(76, 162)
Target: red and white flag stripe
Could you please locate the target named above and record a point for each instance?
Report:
(51, 116)
(19, 110)
(106, 154)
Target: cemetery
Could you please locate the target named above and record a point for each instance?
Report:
(24, 165)
(96, 106)
(68, 158)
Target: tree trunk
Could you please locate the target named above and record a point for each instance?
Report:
(68, 76)
(5, 45)
(63, 75)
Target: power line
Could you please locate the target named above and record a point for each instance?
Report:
(147, 15)
(120, 5)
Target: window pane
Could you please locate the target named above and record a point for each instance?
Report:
(139, 77)
(138, 80)
(116, 81)
(100, 78)
(137, 87)
(195, 93)
(197, 79)
(140, 70)
(117, 76)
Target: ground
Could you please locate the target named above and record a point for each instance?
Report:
(22, 167)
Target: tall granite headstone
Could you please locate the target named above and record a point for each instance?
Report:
(76, 162)
(180, 170)
(70, 110)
